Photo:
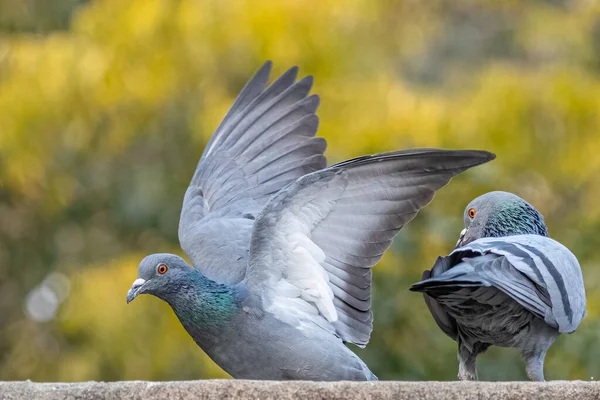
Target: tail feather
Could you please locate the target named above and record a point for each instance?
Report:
(459, 276)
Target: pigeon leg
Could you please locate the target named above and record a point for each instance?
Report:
(467, 370)
(534, 366)
(534, 351)
(534, 359)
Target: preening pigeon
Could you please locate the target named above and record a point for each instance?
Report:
(281, 246)
(506, 284)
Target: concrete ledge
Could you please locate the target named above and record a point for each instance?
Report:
(230, 389)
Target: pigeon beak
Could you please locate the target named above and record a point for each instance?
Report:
(461, 237)
(135, 289)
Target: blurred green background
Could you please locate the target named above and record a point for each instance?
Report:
(105, 107)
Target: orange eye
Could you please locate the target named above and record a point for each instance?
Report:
(162, 269)
(472, 213)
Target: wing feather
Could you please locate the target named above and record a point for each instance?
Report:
(537, 272)
(335, 224)
(265, 142)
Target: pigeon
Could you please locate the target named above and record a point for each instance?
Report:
(281, 245)
(507, 283)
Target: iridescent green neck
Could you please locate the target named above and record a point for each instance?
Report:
(515, 218)
(203, 306)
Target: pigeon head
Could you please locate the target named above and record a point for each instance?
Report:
(202, 305)
(160, 275)
(498, 214)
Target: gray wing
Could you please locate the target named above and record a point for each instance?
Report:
(479, 273)
(537, 272)
(314, 243)
(551, 267)
(265, 142)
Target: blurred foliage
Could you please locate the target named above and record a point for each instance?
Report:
(105, 107)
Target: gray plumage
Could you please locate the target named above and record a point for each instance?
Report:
(265, 142)
(518, 288)
(282, 254)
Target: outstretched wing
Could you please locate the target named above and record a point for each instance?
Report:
(315, 241)
(539, 273)
(265, 142)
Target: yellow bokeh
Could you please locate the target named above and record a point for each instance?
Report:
(105, 109)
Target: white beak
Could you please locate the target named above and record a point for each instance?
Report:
(461, 237)
(135, 287)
